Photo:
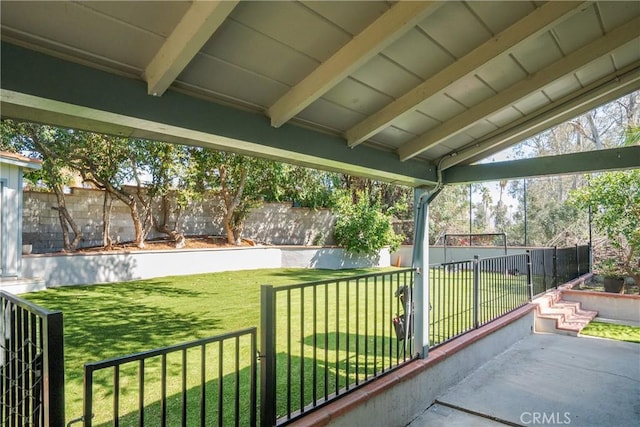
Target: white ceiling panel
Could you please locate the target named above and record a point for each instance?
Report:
(498, 16)
(455, 16)
(469, 91)
(626, 54)
(579, 29)
(330, 115)
(504, 116)
(351, 17)
(386, 76)
(231, 81)
(356, 96)
(531, 103)
(562, 87)
(293, 24)
(537, 53)
(480, 129)
(501, 73)
(616, 13)
(595, 70)
(393, 136)
(159, 17)
(419, 54)
(440, 107)
(86, 30)
(415, 122)
(240, 45)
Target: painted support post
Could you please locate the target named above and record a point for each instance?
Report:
(53, 365)
(476, 292)
(530, 275)
(267, 357)
(555, 267)
(422, 197)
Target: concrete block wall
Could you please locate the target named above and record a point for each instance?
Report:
(272, 223)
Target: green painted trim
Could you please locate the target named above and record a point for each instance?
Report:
(590, 161)
(43, 88)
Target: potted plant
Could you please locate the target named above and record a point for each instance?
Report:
(27, 247)
(614, 199)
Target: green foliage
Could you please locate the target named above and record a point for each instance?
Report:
(361, 226)
(614, 198)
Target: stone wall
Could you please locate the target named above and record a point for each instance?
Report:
(272, 223)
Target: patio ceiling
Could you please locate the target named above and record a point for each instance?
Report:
(399, 91)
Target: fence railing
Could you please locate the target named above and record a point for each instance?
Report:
(551, 267)
(210, 381)
(465, 295)
(319, 341)
(31, 364)
(322, 339)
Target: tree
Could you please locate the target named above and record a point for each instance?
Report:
(109, 163)
(614, 199)
(361, 227)
(49, 144)
(449, 213)
(240, 181)
(172, 181)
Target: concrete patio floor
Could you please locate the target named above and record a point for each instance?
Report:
(547, 379)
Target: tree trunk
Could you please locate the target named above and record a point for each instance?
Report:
(106, 221)
(173, 233)
(65, 221)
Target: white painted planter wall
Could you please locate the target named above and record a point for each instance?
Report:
(76, 269)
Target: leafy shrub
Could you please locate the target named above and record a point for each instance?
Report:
(361, 226)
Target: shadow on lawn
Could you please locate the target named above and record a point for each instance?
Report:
(216, 411)
(92, 334)
(295, 387)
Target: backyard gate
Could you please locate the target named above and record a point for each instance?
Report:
(31, 364)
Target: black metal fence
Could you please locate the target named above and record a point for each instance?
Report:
(319, 341)
(551, 267)
(322, 339)
(467, 294)
(210, 381)
(31, 364)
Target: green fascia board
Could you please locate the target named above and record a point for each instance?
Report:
(590, 161)
(46, 89)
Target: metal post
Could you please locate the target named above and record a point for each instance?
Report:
(476, 292)
(267, 357)
(87, 410)
(420, 262)
(529, 275)
(53, 367)
(555, 267)
(524, 198)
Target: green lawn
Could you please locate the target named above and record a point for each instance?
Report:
(612, 331)
(347, 338)
(104, 321)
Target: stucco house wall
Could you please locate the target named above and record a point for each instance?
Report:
(11, 169)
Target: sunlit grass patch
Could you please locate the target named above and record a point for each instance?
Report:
(612, 331)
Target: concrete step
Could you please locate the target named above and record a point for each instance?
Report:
(562, 317)
(20, 285)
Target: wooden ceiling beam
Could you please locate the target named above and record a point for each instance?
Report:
(537, 81)
(195, 28)
(385, 30)
(532, 25)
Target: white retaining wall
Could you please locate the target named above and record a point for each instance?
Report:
(402, 257)
(76, 269)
